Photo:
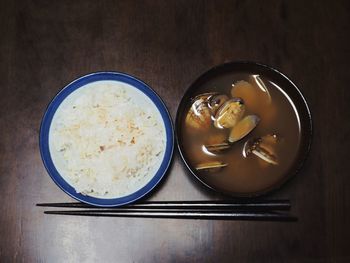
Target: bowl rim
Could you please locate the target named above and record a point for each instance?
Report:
(307, 131)
(79, 82)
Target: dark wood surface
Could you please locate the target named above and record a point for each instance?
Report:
(46, 44)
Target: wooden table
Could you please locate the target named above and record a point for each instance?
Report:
(46, 44)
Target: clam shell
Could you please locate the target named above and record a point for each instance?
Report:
(229, 113)
(217, 147)
(211, 166)
(263, 147)
(216, 101)
(243, 128)
(199, 115)
(265, 155)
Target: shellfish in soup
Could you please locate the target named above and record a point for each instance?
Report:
(229, 113)
(244, 130)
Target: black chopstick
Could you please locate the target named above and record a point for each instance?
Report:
(252, 205)
(259, 216)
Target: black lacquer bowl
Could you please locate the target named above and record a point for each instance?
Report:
(288, 87)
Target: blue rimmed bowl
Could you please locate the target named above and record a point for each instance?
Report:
(80, 83)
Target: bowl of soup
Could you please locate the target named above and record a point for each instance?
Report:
(243, 129)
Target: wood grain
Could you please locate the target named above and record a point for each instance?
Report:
(46, 44)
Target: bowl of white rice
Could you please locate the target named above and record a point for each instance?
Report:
(106, 139)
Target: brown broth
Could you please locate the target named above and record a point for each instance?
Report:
(249, 174)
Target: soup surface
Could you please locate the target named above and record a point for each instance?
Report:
(245, 166)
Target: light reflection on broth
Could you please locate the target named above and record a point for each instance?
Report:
(249, 174)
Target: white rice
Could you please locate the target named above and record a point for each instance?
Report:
(107, 139)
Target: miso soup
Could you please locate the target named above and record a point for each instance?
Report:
(241, 133)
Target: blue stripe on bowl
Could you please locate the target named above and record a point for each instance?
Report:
(45, 128)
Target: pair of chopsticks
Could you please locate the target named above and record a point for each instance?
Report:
(269, 210)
